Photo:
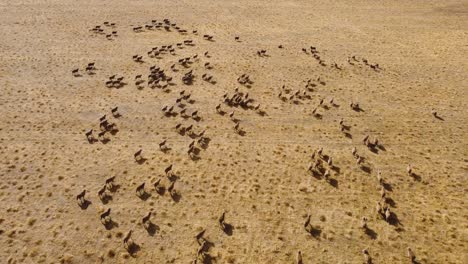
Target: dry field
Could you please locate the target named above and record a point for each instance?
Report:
(260, 176)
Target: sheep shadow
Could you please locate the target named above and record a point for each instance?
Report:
(152, 229)
(390, 202)
(336, 169)
(416, 177)
(176, 197)
(371, 233)
(110, 224)
(387, 186)
(393, 220)
(348, 135)
(358, 109)
(440, 118)
(315, 232)
(141, 161)
(333, 183)
(228, 229)
(106, 199)
(105, 140)
(114, 188)
(242, 133)
(85, 205)
(366, 169)
(133, 249)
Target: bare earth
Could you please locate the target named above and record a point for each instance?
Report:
(260, 178)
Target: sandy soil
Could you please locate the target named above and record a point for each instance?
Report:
(261, 178)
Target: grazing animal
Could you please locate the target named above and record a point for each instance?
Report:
(221, 221)
(307, 225)
(237, 129)
(168, 171)
(115, 112)
(138, 155)
(378, 209)
(80, 198)
(171, 190)
(162, 146)
(146, 221)
(101, 136)
(364, 222)
(102, 193)
(367, 257)
(105, 217)
(299, 258)
(140, 190)
(387, 214)
(354, 152)
(110, 183)
(411, 255)
(199, 237)
(127, 241)
(89, 136)
(409, 170)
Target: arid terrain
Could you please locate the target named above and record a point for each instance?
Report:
(297, 119)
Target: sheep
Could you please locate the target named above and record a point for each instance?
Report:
(307, 225)
(365, 139)
(146, 221)
(237, 129)
(195, 115)
(359, 160)
(158, 187)
(75, 72)
(138, 156)
(89, 136)
(201, 249)
(367, 257)
(319, 152)
(299, 258)
(104, 125)
(379, 177)
(364, 222)
(127, 241)
(140, 190)
(102, 193)
(105, 217)
(171, 190)
(115, 112)
(411, 255)
(110, 183)
(101, 136)
(378, 209)
(218, 110)
(409, 170)
(80, 198)
(221, 221)
(383, 194)
(168, 171)
(354, 152)
(388, 214)
(199, 237)
(162, 146)
(434, 112)
(326, 175)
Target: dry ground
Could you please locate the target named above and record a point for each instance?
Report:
(261, 178)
